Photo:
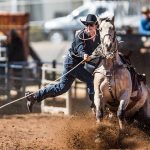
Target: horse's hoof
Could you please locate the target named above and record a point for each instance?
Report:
(93, 111)
(98, 121)
(98, 140)
(120, 125)
(110, 115)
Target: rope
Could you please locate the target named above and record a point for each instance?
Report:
(86, 38)
(19, 99)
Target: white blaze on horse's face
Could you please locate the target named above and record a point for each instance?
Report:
(107, 35)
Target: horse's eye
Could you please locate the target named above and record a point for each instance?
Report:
(100, 29)
(110, 28)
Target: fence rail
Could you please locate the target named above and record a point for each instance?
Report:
(17, 77)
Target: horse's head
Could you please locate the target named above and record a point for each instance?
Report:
(107, 36)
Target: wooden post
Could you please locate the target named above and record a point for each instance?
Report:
(67, 110)
(23, 79)
(68, 103)
(54, 72)
(7, 80)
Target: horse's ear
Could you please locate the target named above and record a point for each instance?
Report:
(101, 19)
(112, 19)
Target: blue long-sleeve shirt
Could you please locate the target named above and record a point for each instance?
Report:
(80, 47)
(144, 27)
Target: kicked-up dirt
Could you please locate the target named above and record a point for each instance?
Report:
(20, 130)
(46, 132)
(38, 131)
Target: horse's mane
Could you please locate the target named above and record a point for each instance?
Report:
(107, 19)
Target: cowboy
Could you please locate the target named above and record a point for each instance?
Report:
(144, 26)
(82, 47)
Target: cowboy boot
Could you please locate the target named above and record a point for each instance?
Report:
(30, 100)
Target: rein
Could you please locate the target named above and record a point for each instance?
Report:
(108, 73)
(109, 85)
(114, 42)
(110, 88)
(102, 39)
(99, 50)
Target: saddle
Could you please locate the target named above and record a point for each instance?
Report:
(135, 77)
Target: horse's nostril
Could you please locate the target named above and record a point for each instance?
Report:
(107, 45)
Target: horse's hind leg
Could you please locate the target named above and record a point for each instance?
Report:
(144, 113)
(136, 108)
(140, 103)
(97, 97)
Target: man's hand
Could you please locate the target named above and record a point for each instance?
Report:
(87, 57)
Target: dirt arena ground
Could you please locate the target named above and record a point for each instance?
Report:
(45, 132)
(20, 130)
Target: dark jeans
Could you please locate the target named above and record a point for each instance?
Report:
(66, 81)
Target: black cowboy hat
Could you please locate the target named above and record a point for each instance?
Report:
(90, 19)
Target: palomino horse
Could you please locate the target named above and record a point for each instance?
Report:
(112, 80)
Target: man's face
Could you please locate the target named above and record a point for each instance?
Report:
(146, 15)
(91, 28)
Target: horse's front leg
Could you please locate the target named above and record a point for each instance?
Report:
(97, 97)
(124, 101)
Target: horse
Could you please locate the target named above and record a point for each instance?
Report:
(112, 79)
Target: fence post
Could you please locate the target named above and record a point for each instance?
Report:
(7, 80)
(54, 73)
(23, 79)
(69, 102)
(39, 72)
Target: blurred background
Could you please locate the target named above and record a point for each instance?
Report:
(42, 14)
(47, 28)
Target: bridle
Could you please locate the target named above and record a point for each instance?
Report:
(112, 52)
(99, 51)
(102, 39)
(113, 48)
